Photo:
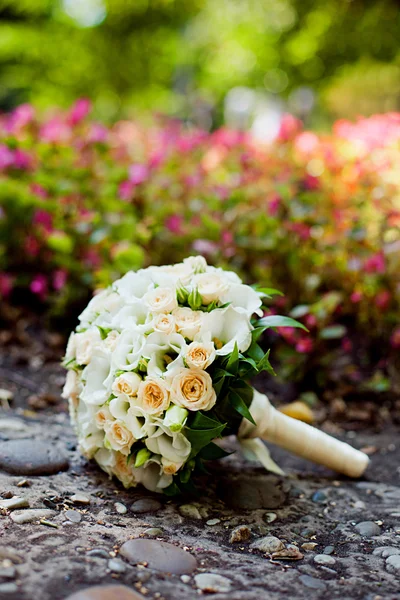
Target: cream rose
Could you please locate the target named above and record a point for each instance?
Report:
(197, 263)
(200, 356)
(85, 343)
(161, 300)
(188, 322)
(128, 383)
(71, 348)
(124, 471)
(119, 437)
(103, 417)
(193, 389)
(164, 323)
(153, 395)
(72, 387)
(211, 286)
(111, 340)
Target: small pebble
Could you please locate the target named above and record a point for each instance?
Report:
(268, 544)
(14, 502)
(211, 582)
(8, 588)
(329, 550)
(8, 573)
(120, 508)
(31, 515)
(24, 483)
(240, 534)
(116, 565)
(190, 511)
(312, 582)
(79, 498)
(319, 497)
(309, 545)
(73, 515)
(145, 505)
(213, 521)
(368, 528)
(324, 559)
(393, 564)
(185, 578)
(154, 532)
(270, 517)
(98, 553)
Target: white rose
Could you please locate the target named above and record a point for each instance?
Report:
(111, 340)
(71, 348)
(198, 264)
(104, 301)
(211, 286)
(133, 285)
(193, 389)
(85, 344)
(161, 300)
(153, 395)
(103, 417)
(95, 380)
(200, 355)
(188, 322)
(127, 384)
(164, 323)
(119, 437)
(72, 387)
(244, 299)
(128, 350)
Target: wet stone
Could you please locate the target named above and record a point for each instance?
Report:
(106, 592)
(120, 508)
(268, 544)
(312, 582)
(31, 515)
(31, 457)
(159, 556)
(368, 528)
(251, 492)
(329, 549)
(73, 515)
(116, 565)
(211, 582)
(145, 505)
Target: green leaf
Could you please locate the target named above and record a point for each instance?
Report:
(257, 333)
(240, 406)
(202, 421)
(201, 437)
(280, 321)
(103, 332)
(255, 352)
(268, 291)
(334, 332)
(213, 452)
(265, 365)
(233, 362)
(172, 490)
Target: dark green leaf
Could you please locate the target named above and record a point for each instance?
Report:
(280, 321)
(213, 452)
(265, 365)
(233, 362)
(202, 421)
(255, 352)
(240, 406)
(257, 333)
(201, 437)
(172, 490)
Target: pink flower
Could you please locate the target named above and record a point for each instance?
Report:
(59, 279)
(356, 297)
(174, 224)
(382, 300)
(311, 321)
(55, 131)
(375, 264)
(6, 157)
(125, 190)
(79, 111)
(22, 160)
(289, 127)
(44, 219)
(98, 133)
(273, 205)
(38, 286)
(306, 142)
(138, 174)
(31, 246)
(38, 190)
(20, 117)
(204, 247)
(304, 346)
(227, 237)
(6, 284)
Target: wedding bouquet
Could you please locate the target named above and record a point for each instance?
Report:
(159, 367)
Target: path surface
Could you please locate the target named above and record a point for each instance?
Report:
(337, 538)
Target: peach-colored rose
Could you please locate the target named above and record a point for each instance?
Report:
(153, 395)
(119, 437)
(200, 355)
(193, 389)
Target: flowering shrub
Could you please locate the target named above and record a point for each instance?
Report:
(316, 215)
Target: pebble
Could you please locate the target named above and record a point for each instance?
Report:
(240, 534)
(145, 505)
(213, 521)
(324, 559)
(368, 528)
(98, 553)
(190, 511)
(80, 498)
(73, 515)
(154, 532)
(312, 582)
(329, 550)
(14, 502)
(269, 517)
(116, 565)
(120, 508)
(31, 457)
(106, 592)
(8, 588)
(386, 551)
(211, 582)
(393, 564)
(185, 578)
(289, 553)
(309, 545)
(160, 556)
(319, 497)
(268, 544)
(31, 515)
(251, 493)
(8, 573)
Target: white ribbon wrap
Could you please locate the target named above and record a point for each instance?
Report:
(301, 439)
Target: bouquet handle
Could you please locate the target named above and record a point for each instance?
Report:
(301, 439)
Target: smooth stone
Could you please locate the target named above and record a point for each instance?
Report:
(211, 582)
(31, 515)
(189, 511)
(31, 457)
(8, 573)
(368, 528)
(160, 556)
(98, 553)
(154, 532)
(268, 544)
(312, 583)
(120, 508)
(213, 521)
(386, 551)
(145, 505)
(319, 497)
(80, 498)
(73, 515)
(269, 517)
(116, 565)
(8, 588)
(393, 564)
(240, 534)
(14, 502)
(106, 592)
(251, 493)
(329, 550)
(324, 559)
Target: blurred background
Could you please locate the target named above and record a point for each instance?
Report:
(236, 61)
